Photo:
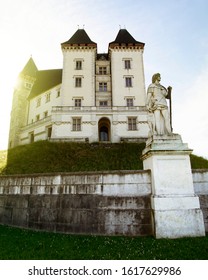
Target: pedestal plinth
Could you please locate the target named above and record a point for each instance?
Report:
(176, 209)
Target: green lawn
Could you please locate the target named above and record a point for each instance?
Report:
(24, 244)
(47, 157)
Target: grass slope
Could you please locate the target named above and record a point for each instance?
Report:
(20, 244)
(44, 156)
(198, 162)
(47, 157)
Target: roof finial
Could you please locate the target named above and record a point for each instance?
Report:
(83, 26)
(119, 26)
(78, 26)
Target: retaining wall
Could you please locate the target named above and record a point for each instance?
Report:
(107, 203)
(200, 180)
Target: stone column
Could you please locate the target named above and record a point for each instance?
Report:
(176, 209)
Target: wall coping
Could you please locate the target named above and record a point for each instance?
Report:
(105, 172)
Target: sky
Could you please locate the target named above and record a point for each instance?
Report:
(175, 33)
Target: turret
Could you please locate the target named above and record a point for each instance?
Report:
(19, 111)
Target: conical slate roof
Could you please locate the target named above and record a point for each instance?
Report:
(80, 37)
(30, 69)
(124, 37)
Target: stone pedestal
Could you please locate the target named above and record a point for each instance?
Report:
(176, 209)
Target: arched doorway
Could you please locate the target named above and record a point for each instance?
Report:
(104, 129)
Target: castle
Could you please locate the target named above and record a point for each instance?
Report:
(96, 97)
(101, 98)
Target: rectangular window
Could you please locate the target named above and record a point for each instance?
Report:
(45, 114)
(78, 65)
(103, 103)
(127, 64)
(132, 123)
(48, 97)
(102, 70)
(128, 81)
(129, 102)
(38, 102)
(77, 102)
(103, 87)
(78, 82)
(58, 93)
(76, 124)
(37, 118)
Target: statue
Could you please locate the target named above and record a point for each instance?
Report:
(158, 118)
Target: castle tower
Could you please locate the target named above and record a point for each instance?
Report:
(78, 80)
(19, 112)
(128, 85)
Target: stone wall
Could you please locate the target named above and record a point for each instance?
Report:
(113, 203)
(200, 180)
(107, 203)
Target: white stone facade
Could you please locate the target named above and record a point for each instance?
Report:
(100, 97)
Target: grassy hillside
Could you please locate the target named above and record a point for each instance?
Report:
(198, 162)
(46, 157)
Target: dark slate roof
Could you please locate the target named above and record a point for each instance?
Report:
(45, 80)
(80, 37)
(30, 69)
(124, 37)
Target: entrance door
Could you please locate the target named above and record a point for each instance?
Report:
(104, 129)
